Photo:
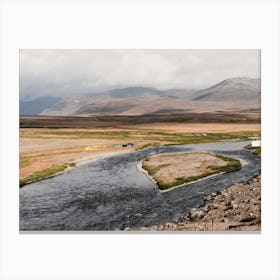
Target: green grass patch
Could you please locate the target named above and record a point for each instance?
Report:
(50, 133)
(249, 147)
(155, 136)
(232, 165)
(38, 175)
(152, 171)
(257, 151)
(182, 138)
(181, 181)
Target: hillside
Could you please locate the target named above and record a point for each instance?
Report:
(235, 95)
(37, 106)
(125, 101)
(235, 91)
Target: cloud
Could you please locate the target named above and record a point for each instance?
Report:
(68, 72)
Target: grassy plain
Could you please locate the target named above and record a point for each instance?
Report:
(43, 149)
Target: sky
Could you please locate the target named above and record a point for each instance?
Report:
(75, 72)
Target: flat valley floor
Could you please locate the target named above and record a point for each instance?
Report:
(101, 188)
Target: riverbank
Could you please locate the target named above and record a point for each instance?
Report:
(110, 194)
(43, 150)
(237, 208)
(60, 169)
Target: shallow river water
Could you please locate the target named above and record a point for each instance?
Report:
(111, 193)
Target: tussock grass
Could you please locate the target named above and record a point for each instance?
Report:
(152, 171)
(232, 165)
(182, 180)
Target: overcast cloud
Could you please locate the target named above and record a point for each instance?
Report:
(74, 72)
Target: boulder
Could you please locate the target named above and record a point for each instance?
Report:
(197, 214)
(207, 198)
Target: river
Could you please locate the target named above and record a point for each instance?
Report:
(110, 193)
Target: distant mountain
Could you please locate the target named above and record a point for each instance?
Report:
(134, 106)
(67, 106)
(239, 94)
(36, 106)
(235, 90)
(117, 101)
(128, 92)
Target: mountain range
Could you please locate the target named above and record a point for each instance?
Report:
(239, 94)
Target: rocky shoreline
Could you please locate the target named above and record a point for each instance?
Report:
(237, 208)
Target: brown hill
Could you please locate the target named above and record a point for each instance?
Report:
(230, 96)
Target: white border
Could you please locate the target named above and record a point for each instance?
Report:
(156, 24)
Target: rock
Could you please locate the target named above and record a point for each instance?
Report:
(224, 220)
(235, 208)
(233, 204)
(204, 208)
(127, 229)
(227, 201)
(213, 206)
(197, 215)
(181, 220)
(255, 201)
(160, 227)
(234, 225)
(206, 216)
(207, 198)
(247, 219)
(187, 215)
(213, 194)
(168, 225)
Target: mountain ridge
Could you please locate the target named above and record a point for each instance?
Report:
(228, 88)
(238, 93)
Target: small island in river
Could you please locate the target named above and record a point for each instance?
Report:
(171, 170)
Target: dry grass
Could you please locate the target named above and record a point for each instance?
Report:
(43, 148)
(171, 170)
(38, 175)
(202, 127)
